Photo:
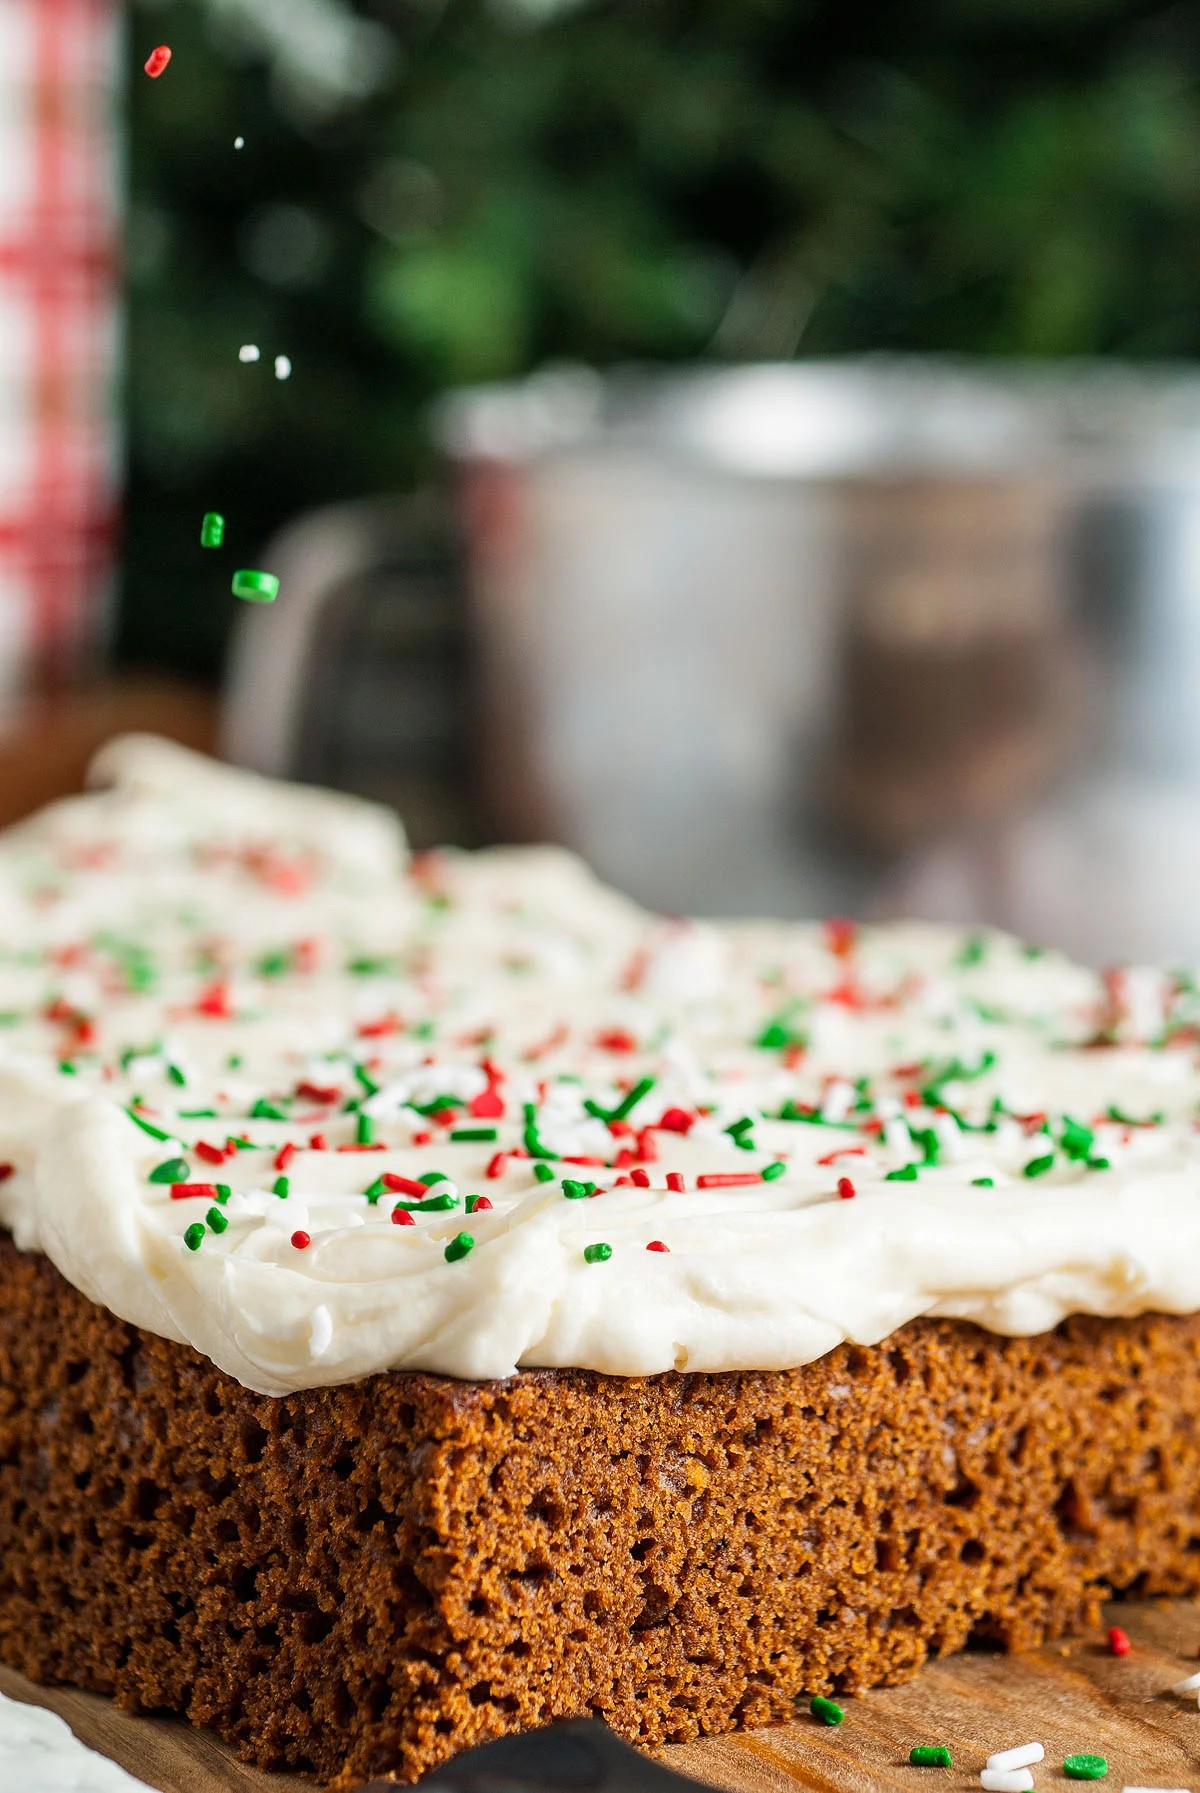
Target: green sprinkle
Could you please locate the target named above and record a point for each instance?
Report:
(274, 964)
(282, 1187)
(67, 1068)
(266, 1111)
(171, 1170)
(194, 1234)
(223, 1192)
(778, 1035)
(532, 1139)
(629, 1102)
(212, 530)
(1131, 1120)
(148, 1127)
(176, 1076)
(466, 1135)
(365, 1131)
(1037, 1167)
(216, 1220)
(983, 1182)
(432, 1204)
(906, 1174)
(197, 1114)
(543, 1173)
(255, 587)
(471, 1201)
(971, 952)
(597, 1254)
(366, 1079)
(1077, 1140)
(930, 1755)
(1085, 1768)
(736, 1127)
(378, 1188)
(430, 1177)
(828, 1711)
(459, 1247)
(575, 1191)
(1099, 1164)
(771, 1171)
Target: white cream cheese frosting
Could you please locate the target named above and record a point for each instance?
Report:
(270, 1090)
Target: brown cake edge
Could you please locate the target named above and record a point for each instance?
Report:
(365, 1579)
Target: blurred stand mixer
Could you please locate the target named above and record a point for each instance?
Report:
(884, 637)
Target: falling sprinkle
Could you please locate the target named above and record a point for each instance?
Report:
(249, 351)
(157, 61)
(283, 367)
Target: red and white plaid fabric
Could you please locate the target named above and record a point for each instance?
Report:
(58, 334)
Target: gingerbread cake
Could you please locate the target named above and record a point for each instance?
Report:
(440, 1297)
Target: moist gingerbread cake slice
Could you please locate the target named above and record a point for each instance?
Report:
(363, 1580)
(439, 1297)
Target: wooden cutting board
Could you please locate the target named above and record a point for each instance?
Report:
(1071, 1697)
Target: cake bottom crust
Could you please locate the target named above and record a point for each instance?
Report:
(363, 1580)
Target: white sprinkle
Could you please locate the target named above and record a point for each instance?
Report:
(1187, 1685)
(1019, 1757)
(320, 1335)
(249, 351)
(239, 143)
(283, 367)
(839, 1100)
(1012, 1780)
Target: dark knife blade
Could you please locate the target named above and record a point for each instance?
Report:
(576, 1756)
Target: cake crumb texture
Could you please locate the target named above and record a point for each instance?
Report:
(363, 1580)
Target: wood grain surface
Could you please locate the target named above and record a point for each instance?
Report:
(1070, 1697)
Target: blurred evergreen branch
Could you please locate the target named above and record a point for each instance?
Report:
(439, 193)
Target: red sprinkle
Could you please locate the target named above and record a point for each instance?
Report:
(488, 1105)
(677, 1120)
(1118, 1642)
(184, 1192)
(640, 1177)
(423, 1138)
(318, 1143)
(846, 1189)
(210, 1154)
(402, 1217)
(840, 935)
(675, 1181)
(731, 1179)
(301, 1241)
(617, 1039)
(403, 1185)
(157, 61)
(318, 1092)
(378, 1030)
(843, 1152)
(647, 1145)
(6, 1171)
(481, 1201)
(215, 1001)
(284, 1156)
(657, 1245)
(497, 1166)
